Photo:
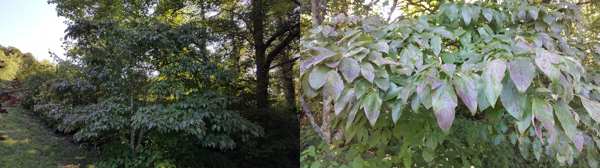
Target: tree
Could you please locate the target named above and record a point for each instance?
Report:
(406, 77)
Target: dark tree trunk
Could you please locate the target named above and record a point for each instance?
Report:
(262, 68)
(289, 90)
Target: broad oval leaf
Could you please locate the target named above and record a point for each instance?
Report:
(522, 72)
(493, 80)
(513, 100)
(347, 96)
(350, 69)
(372, 104)
(466, 14)
(317, 76)
(545, 60)
(367, 71)
(592, 107)
(334, 85)
(487, 13)
(465, 88)
(568, 123)
(444, 103)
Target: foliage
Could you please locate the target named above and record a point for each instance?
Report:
(406, 77)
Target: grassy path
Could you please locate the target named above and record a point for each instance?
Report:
(28, 144)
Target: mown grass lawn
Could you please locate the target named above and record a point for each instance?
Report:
(28, 144)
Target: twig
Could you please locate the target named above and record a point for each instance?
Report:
(286, 62)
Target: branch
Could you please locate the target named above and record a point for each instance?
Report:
(271, 56)
(583, 3)
(286, 62)
(279, 33)
(310, 117)
(296, 2)
(392, 10)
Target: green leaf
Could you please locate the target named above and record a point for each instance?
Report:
(448, 69)
(334, 85)
(382, 83)
(347, 96)
(444, 103)
(357, 163)
(493, 79)
(592, 107)
(533, 11)
(481, 96)
(436, 45)
(392, 92)
(317, 76)
(512, 100)
(367, 71)
(537, 149)
(487, 13)
(568, 123)
(372, 105)
(428, 155)
(525, 122)
(522, 72)
(465, 88)
(361, 88)
(543, 113)
(548, 19)
(350, 69)
(545, 61)
(382, 46)
(452, 12)
(397, 110)
(306, 88)
(466, 14)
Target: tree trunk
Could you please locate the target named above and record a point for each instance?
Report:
(289, 91)
(262, 69)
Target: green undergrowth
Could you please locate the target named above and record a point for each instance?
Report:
(27, 143)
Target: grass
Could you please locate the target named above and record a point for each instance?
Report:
(29, 144)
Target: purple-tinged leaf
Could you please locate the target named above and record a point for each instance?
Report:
(444, 103)
(592, 107)
(545, 61)
(382, 46)
(306, 63)
(323, 56)
(442, 31)
(512, 100)
(317, 76)
(367, 71)
(568, 123)
(334, 84)
(350, 69)
(372, 106)
(448, 69)
(493, 80)
(465, 88)
(542, 111)
(522, 72)
(487, 13)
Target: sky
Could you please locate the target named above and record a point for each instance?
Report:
(31, 26)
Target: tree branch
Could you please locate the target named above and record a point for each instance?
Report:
(310, 117)
(296, 2)
(392, 10)
(271, 56)
(283, 63)
(279, 33)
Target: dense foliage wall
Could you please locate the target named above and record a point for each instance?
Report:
(390, 91)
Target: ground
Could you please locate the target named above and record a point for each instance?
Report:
(25, 142)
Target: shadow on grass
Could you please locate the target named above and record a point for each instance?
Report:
(26, 143)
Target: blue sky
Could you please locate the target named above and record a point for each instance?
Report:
(31, 26)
